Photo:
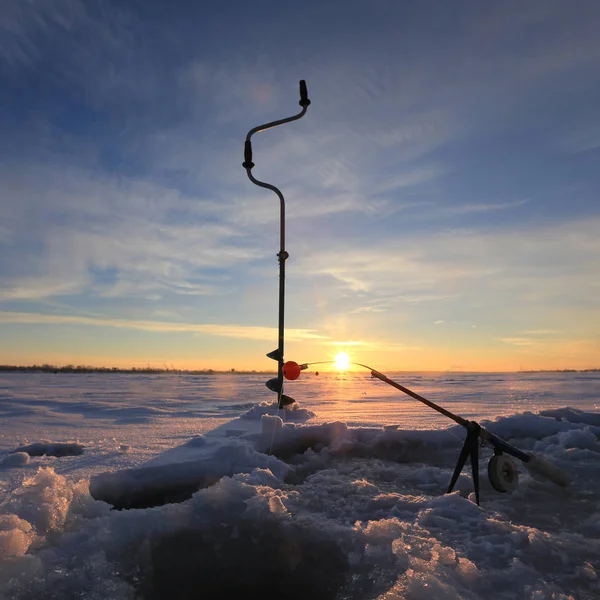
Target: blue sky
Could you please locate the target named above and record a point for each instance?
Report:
(442, 191)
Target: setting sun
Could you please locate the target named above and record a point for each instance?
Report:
(342, 361)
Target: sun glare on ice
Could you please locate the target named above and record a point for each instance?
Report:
(342, 361)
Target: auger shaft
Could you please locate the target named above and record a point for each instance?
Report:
(282, 255)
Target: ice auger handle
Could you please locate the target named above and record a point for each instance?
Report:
(248, 164)
(304, 101)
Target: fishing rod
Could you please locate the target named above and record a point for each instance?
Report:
(276, 385)
(502, 470)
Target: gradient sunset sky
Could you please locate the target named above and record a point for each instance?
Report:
(443, 191)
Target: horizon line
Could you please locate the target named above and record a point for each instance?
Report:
(46, 367)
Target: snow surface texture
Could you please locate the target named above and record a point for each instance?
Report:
(328, 507)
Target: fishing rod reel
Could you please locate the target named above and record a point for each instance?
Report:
(502, 472)
(276, 384)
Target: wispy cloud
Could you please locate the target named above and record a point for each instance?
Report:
(542, 276)
(232, 331)
(373, 345)
(565, 351)
(542, 332)
(393, 302)
(153, 237)
(519, 341)
(23, 23)
(407, 178)
(583, 138)
(536, 338)
(462, 209)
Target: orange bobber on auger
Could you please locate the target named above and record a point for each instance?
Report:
(291, 370)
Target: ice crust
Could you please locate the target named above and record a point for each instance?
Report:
(277, 506)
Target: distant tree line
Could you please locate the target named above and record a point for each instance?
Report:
(561, 371)
(46, 368)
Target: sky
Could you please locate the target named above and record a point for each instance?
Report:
(442, 191)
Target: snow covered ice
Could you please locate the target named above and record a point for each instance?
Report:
(343, 498)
